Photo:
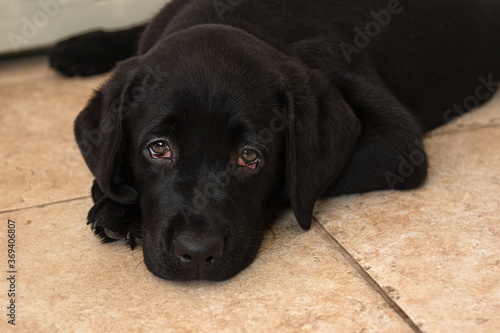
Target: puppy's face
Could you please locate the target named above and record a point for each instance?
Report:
(206, 153)
(207, 134)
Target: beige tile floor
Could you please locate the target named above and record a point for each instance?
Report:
(435, 250)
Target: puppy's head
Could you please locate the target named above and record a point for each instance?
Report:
(209, 133)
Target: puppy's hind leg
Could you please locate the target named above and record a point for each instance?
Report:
(390, 153)
(94, 52)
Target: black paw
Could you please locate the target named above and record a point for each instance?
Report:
(85, 55)
(112, 221)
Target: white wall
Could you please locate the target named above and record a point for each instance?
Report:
(33, 24)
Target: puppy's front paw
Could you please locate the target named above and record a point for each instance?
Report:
(113, 221)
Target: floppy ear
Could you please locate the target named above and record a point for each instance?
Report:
(99, 134)
(322, 133)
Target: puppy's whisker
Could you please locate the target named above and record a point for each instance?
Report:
(136, 224)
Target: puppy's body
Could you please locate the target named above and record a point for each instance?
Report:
(429, 54)
(330, 96)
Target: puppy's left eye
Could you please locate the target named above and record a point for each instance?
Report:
(159, 149)
(249, 158)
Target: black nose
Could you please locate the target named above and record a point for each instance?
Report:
(197, 252)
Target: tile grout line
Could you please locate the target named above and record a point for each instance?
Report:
(367, 276)
(44, 205)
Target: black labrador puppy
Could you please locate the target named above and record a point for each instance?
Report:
(231, 109)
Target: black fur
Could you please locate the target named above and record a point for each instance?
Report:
(334, 95)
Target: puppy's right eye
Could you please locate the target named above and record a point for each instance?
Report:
(160, 149)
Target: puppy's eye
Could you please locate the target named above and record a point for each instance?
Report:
(159, 149)
(249, 158)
